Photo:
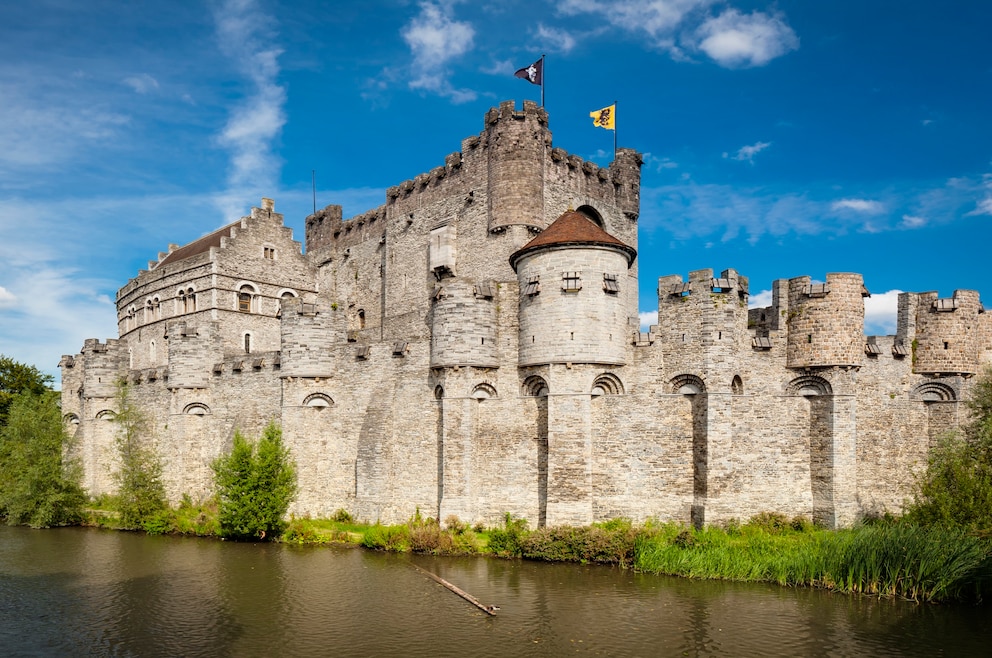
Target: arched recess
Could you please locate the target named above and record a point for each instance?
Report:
(286, 293)
(687, 385)
(196, 409)
(438, 392)
(934, 392)
(592, 214)
(534, 386)
(607, 384)
(106, 414)
(483, 391)
(70, 419)
(318, 401)
(737, 385)
(808, 386)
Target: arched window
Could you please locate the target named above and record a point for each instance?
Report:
(149, 311)
(361, 318)
(737, 385)
(152, 352)
(157, 305)
(245, 295)
(438, 392)
(247, 342)
(592, 214)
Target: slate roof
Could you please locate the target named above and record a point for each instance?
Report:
(199, 246)
(572, 229)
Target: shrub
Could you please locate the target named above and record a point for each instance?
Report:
(507, 541)
(956, 487)
(140, 492)
(39, 482)
(255, 486)
(387, 538)
(582, 544)
(342, 516)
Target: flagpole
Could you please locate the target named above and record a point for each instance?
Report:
(542, 80)
(614, 131)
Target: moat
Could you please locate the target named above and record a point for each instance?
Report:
(79, 591)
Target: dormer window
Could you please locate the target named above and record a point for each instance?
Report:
(269, 253)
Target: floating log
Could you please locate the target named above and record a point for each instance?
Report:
(488, 609)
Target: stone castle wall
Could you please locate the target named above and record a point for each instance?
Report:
(410, 367)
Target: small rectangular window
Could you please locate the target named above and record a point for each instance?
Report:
(610, 284)
(269, 253)
(571, 282)
(533, 286)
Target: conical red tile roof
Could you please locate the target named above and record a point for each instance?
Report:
(572, 229)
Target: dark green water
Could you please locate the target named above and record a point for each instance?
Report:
(83, 592)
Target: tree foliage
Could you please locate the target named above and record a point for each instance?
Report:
(956, 488)
(140, 492)
(39, 481)
(18, 378)
(255, 485)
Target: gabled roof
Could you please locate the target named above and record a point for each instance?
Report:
(572, 229)
(200, 246)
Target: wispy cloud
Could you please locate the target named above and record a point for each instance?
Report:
(435, 39)
(747, 153)
(141, 83)
(881, 312)
(867, 206)
(256, 121)
(555, 39)
(7, 298)
(735, 40)
(913, 221)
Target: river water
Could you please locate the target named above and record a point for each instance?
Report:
(88, 592)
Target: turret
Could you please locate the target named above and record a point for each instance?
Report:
(516, 151)
(573, 289)
(947, 332)
(826, 321)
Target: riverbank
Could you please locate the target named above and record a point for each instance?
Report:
(886, 558)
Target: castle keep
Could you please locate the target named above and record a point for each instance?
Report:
(471, 347)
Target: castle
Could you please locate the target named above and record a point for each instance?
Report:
(471, 347)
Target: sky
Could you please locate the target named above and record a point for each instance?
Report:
(780, 138)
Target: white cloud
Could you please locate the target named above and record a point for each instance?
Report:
(7, 298)
(257, 121)
(747, 153)
(881, 311)
(555, 39)
(913, 221)
(659, 164)
(141, 83)
(435, 39)
(647, 318)
(867, 206)
(760, 300)
(659, 19)
(734, 39)
(984, 207)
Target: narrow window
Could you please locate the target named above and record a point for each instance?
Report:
(361, 319)
(247, 343)
(269, 253)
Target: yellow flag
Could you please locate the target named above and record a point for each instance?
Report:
(605, 118)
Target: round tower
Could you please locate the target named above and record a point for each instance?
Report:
(463, 324)
(946, 332)
(573, 288)
(826, 321)
(516, 147)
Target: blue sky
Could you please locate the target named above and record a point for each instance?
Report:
(780, 138)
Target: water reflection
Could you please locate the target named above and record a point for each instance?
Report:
(90, 592)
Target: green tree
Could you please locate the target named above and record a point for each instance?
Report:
(956, 488)
(140, 492)
(19, 378)
(39, 481)
(255, 485)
